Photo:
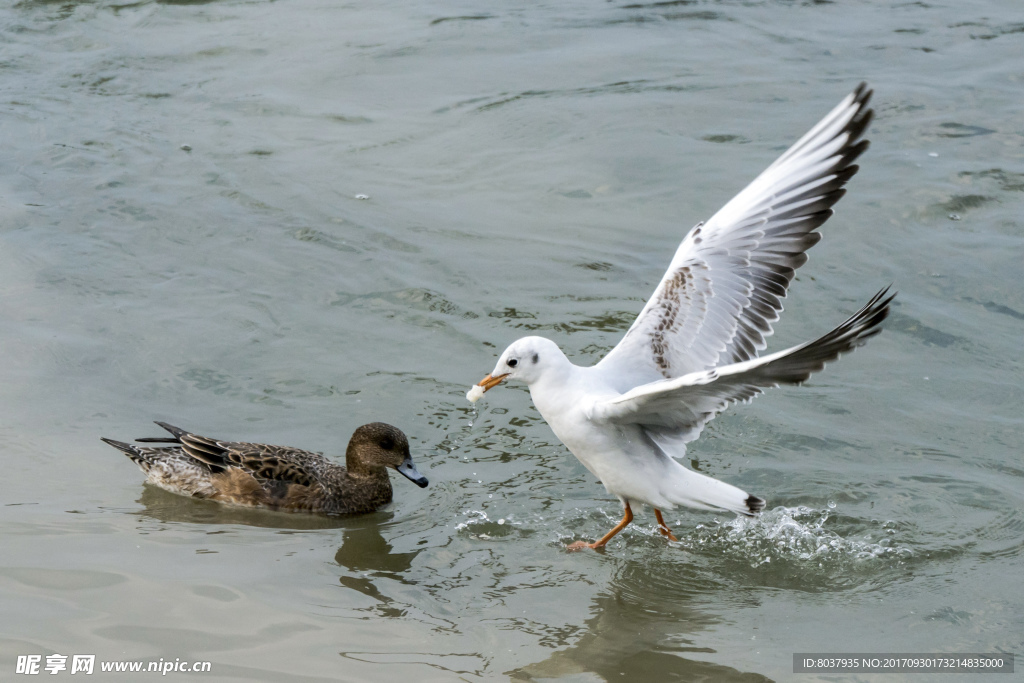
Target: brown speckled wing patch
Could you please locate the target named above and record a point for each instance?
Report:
(277, 463)
(676, 316)
(672, 296)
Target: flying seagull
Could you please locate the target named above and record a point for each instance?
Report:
(693, 350)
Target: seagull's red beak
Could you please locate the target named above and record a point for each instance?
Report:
(489, 382)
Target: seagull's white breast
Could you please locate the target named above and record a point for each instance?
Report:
(627, 464)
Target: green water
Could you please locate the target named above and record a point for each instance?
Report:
(181, 240)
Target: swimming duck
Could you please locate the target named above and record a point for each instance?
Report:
(693, 350)
(278, 477)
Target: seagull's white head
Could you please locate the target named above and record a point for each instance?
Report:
(525, 360)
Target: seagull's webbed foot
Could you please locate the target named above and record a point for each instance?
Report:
(662, 527)
(627, 517)
(580, 545)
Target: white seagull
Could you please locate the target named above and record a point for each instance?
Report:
(693, 349)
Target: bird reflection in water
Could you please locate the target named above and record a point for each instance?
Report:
(644, 622)
(169, 507)
(366, 552)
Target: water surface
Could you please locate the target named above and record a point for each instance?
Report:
(181, 240)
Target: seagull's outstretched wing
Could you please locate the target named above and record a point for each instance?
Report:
(724, 288)
(674, 411)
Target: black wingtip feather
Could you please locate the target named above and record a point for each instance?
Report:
(812, 357)
(862, 94)
(853, 152)
(848, 172)
(859, 123)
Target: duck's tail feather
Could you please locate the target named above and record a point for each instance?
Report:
(145, 458)
(178, 432)
(207, 451)
(127, 448)
(171, 469)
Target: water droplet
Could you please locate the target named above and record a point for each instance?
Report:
(362, 196)
(831, 505)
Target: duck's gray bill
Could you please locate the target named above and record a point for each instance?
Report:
(409, 471)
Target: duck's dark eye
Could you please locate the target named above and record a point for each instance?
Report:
(387, 444)
(513, 362)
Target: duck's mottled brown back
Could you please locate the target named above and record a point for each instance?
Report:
(278, 477)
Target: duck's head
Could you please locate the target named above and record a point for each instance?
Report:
(525, 360)
(380, 445)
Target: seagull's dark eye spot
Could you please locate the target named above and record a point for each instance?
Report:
(513, 362)
(535, 358)
(387, 444)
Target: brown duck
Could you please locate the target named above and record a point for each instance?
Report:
(278, 477)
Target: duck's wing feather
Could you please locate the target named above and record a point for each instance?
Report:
(724, 288)
(263, 461)
(674, 411)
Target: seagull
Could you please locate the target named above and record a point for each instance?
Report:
(693, 350)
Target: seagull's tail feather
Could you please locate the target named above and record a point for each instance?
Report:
(679, 485)
(695, 490)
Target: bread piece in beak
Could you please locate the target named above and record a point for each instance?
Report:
(476, 392)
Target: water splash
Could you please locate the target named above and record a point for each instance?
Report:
(474, 517)
(479, 526)
(796, 534)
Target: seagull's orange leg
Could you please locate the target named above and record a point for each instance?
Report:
(627, 517)
(662, 527)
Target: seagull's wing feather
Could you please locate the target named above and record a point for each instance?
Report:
(724, 288)
(676, 410)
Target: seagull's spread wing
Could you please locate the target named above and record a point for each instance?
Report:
(676, 410)
(724, 288)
